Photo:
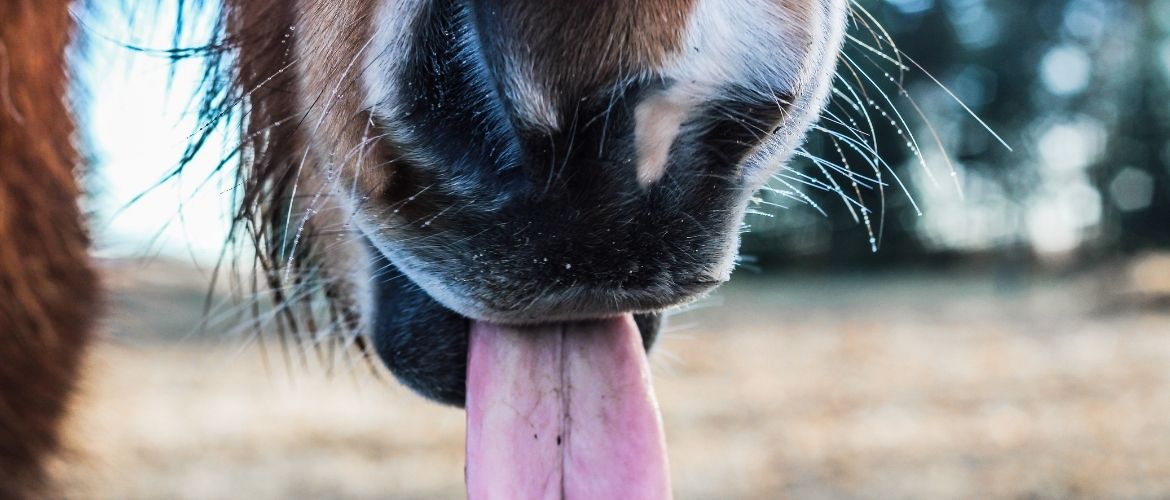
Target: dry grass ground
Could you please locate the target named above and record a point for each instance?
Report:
(894, 386)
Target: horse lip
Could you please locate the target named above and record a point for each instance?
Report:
(588, 303)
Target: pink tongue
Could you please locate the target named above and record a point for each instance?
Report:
(562, 411)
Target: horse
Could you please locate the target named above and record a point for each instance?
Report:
(496, 198)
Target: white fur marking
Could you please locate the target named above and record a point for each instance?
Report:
(658, 120)
(387, 57)
(745, 42)
(529, 98)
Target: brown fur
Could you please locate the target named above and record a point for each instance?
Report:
(277, 170)
(574, 46)
(47, 287)
(338, 62)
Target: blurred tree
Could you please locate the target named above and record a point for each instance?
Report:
(1135, 172)
(1079, 89)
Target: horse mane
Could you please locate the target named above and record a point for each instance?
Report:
(248, 88)
(48, 286)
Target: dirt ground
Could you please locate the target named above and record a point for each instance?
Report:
(956, 385)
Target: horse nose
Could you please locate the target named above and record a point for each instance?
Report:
(633, 135)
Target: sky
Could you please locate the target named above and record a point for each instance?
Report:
(136, 127)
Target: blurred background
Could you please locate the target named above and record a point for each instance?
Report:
(1078, 91)
(991, 320)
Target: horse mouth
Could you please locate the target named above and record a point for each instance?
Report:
(535, 303)
(421, 324)
(558, 402)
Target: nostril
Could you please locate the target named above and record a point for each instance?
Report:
(738, 125)
(727, 127)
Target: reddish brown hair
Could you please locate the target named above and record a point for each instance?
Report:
(48, 289)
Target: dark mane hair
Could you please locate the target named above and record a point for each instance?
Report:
(272, 253)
